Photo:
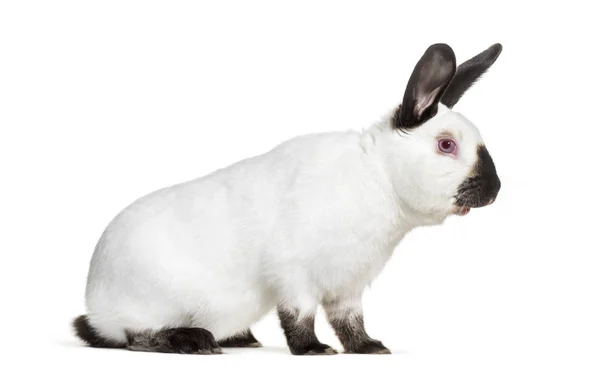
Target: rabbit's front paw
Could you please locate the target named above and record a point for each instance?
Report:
(370, 347)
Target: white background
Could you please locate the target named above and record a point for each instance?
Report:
(102, 102)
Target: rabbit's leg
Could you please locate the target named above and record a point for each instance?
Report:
(345, 315)
(244, 339)
(298, 323)
(176, 340)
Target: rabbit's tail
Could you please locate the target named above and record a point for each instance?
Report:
(88, 334)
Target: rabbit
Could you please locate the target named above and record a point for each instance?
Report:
(190, 268)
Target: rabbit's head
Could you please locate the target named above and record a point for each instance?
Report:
(439, 164)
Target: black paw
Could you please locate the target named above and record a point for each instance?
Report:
(193, 341)
(245, 339)
(369, 347)
(316, 348)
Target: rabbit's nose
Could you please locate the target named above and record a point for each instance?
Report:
(492, 201)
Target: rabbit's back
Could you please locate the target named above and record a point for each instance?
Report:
(186, 254)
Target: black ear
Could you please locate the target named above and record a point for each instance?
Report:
(468, 73)
(426, 85)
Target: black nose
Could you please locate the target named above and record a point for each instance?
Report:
(486, 172)
(490, 191)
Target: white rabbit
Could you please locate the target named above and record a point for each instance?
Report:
(189, 268)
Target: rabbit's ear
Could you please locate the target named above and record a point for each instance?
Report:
(468, 73)
(426, 85)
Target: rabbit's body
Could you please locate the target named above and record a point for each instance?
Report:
(311, 222)
(221, 251)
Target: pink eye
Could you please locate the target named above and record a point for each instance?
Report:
(447, 146)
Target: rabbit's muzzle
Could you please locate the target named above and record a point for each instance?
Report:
(482, 186)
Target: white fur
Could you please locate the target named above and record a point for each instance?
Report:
(314, 219)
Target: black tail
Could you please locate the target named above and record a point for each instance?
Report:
(87, 333)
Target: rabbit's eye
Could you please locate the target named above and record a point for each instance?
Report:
(447, 146)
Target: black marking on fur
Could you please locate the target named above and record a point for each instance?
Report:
(244, 339)
(300, 334)
(176, 340)
(468, 73)
(353, 336)
(88, 334)
(428, 81)
(482, 186)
